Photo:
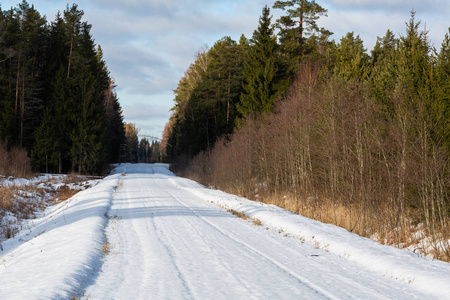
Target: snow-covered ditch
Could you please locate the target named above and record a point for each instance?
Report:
(24, 199)
(60, 249)
(424, 274)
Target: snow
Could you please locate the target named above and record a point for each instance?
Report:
(171, 238)
(28, 197)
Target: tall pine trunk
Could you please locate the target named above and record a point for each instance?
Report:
(300, 34)
(17, 88)
(22, 105)
(70, 55)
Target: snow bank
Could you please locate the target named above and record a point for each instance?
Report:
(60, 251)
(423, 274)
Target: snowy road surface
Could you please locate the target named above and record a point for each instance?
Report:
(170, 238)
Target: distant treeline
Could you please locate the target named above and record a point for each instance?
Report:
(57, 99)
(324, 128)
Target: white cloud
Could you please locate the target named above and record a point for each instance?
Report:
(391, 5)
(143, 110)
(148, 44)
(370, 23)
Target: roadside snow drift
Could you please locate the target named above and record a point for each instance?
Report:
(54, 256)
(142, 233)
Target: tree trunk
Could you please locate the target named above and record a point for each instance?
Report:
(17, 88)
(22, 104)
(229, 90)
(300, 35)
(70, 56)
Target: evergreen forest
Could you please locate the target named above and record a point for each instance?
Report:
(57, 99)
(324, 128)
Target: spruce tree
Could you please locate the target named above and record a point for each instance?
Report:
(441, 107)
(383, 71)
(265, 78)
(351, 58)
(34, 34)
(414, 52)
(45, 154)
(115, 132)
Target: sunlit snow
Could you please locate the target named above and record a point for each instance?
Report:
(143, 233)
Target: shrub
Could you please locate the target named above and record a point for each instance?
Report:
(15, 162)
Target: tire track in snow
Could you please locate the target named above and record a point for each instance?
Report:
(198, 238)
(169, 249)
(354, 283)
(301, 279)
(230, 274)
(191, 249)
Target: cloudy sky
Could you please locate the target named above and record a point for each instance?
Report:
(149, 44)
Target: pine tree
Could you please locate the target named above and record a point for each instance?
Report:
(34, 34)
(265, 78)
(22, 47)
(224, 77)
(53, 88)
(206, 99)
(299, 22)
(73, 27)
(6, 90)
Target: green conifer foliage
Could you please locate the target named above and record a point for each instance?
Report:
(45, 152)
(441, 107)
(299, 23)
(351, 58)
(206, 99)
(383, 69)
(265, 78)
(56, 100)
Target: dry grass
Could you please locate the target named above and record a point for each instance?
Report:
(6, 195)
(243, 216)
(238, 214)
(63, 193)
(375, 222)
(376, 225)
(105, 248)
(256, 222)
(22, 201)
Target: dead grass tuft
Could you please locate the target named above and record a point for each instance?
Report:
(6, 196)
(63, 193)
(256, 222)
(243, 216)
(105, 248)
(238, 214)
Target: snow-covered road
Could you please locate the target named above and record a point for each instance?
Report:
(169, 239)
